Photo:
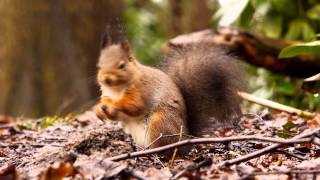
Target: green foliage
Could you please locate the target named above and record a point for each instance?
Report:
(310, 48)
(294, 20)
(314, 12)
(300, 29)
(287, 130)
(145, 30)
(50, 121)
(44, 122)
(287, 19)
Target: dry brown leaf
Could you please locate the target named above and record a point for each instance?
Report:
(6, 119)
(58, 171)
(8, 172)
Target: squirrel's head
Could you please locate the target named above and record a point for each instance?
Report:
(117, 66)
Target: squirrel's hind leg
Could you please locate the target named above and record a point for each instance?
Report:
(164, 128)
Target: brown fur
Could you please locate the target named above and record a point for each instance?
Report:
(209, 80)
(147, 97)
(149, 103)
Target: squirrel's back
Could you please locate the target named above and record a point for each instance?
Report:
(209, 80)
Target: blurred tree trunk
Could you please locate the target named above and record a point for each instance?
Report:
(48, 53)
(176, 10)
(201, 15)
(187, 16)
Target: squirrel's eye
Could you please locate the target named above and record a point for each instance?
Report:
(122, 65)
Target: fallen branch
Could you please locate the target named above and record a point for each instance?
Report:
(279, 142)
(267, 149)
(308, 171)
(275, 105)
(254, 49)
(292, 154)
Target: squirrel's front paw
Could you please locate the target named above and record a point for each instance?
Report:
(105, 112)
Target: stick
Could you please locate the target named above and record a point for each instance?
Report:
(175, 150)
(297, 139)
(275, 105)
(265, 150)
(6, 126)
(315, 171)
(292, 154)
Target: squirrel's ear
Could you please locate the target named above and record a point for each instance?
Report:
(126, 47)
(106, 38)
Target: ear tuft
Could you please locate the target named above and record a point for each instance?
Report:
(106, 37)
(114, 33)
(125, 46)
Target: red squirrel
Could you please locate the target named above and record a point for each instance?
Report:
(195, 90)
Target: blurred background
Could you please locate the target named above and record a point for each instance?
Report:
(49, 49)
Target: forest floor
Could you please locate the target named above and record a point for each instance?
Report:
(80, 146)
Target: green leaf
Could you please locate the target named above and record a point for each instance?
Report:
(314, 12)
(259, 3)
(285, 7)
(300, 29)
(286, 133)
(285, 87)
(231, 11)
(273, 26)
(310, 48)
(287, 130)
(245, 18)
(289, 125)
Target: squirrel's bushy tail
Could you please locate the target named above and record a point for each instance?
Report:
(209, 80)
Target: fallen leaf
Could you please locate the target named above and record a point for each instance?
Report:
(8, 172)
(58, 171)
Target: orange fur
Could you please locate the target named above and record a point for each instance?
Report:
(131, 104)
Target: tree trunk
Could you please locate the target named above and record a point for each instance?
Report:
(48, 50)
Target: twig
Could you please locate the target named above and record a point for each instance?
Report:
(158, 159)
(166, 136)
(266, 149)
(291, 154)
(274, 105)
(184, 135)
(315, 171)
(192, 167)
(6, 126)
(175, 150)
(50, 139)
(157, 139)
(297, 139)
(252, 114)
